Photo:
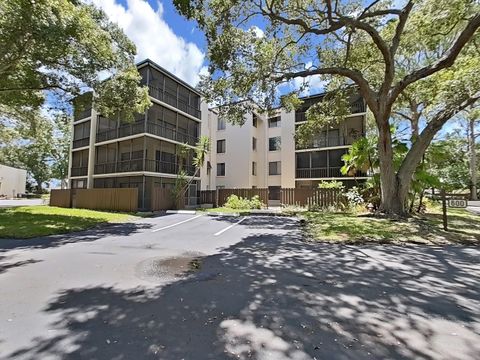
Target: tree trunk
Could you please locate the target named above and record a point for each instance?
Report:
(473, 160)
(393, 194)
(39, 186)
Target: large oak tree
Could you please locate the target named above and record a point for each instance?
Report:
(383, 48)
(63, 46)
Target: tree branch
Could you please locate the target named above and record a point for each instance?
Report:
(444, 62)
(417, 150)
(354, 75)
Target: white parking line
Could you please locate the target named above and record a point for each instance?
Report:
(228, 227)
(181, 222)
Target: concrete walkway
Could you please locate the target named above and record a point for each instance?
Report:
(22, 202)
(262, 292)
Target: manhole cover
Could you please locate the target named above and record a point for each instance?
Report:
(159, 269)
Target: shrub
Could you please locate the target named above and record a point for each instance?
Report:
(354, 197)
(331, 185)
(237, 202)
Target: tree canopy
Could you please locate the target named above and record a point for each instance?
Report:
(382, 49)
(64, 46)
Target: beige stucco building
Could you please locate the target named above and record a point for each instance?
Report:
(263, 153)
(12, 181)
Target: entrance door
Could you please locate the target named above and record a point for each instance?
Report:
(274, 196)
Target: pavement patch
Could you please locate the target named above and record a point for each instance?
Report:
(160, 269)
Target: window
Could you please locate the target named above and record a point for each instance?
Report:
(221, 146)
(254, 143)
(274, 168)
(221, 124)
(255, 120)
(274, 122)
(274, 143)
(221, 169)
(254, 168)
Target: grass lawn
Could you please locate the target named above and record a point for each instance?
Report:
(32, 221)
(464, 227)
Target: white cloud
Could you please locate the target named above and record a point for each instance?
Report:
(259, 33)
(155, 39)
(315, 84)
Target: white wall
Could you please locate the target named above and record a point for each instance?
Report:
(12, 181)
(288, 149)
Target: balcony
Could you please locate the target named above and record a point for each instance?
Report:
(171, 134)
(122, 131)
(154, 129)
(80, 143)
(172, 99)
(322, 172)
(329, 141)
(141, 165)
(79, 171)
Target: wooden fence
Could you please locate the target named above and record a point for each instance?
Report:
(115, 199)
(310, 197)
(60, 198)
(162, 199)
(208, 197)
(288, 196)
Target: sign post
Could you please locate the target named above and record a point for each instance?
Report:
(444, 209)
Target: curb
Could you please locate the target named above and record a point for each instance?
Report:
(185, 212)
(215, 214)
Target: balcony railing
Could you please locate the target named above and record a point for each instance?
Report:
(141, 165)
(329, 141)
(323, 172)
(79, 171)
(152, 128)
(173, 100)
(80, 142)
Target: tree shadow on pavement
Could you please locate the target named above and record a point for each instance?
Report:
(274, 296)
(114, 229)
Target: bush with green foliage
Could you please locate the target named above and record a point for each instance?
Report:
(331, 185)
(238, 202)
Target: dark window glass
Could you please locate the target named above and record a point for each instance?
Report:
(274, 122)
(274, 168)
(274, 143)
(221, 146)
(254, 143)
(221, 169)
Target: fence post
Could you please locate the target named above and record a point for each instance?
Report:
(444, 209)
(216, 197)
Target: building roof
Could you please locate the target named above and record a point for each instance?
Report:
(168, 73)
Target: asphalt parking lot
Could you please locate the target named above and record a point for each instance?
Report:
(200, 287)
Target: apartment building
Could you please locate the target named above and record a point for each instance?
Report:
(263, 152)
(146, 153)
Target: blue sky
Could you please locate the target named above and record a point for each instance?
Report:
(160, 34)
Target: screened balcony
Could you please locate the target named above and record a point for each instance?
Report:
(143, 154)
(348, 132)
(161, 121)
(79, 163)
(171, 91)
